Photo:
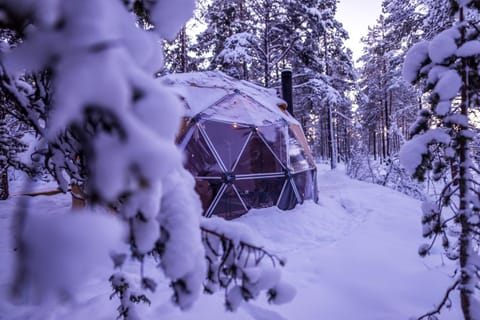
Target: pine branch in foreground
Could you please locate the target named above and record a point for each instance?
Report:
(442, 147)
(241, 270)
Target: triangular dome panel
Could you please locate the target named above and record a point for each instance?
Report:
(230, 206)
(260, 193)
(228, 140)
(297, 140)
(207, 189)
(257, 158)
(199, 159)
(304, 183)
(275, 137)
(288, 199)
(299, 159)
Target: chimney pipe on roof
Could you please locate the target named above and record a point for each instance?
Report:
(287, 90)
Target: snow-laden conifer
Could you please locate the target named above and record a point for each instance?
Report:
(108, 126)
(441, 145)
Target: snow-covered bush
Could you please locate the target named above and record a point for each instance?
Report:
(388, 173)
(17, 124)
(11, 146)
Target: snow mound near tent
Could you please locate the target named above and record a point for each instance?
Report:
(352, 256)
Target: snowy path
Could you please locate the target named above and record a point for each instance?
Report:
(352, 256)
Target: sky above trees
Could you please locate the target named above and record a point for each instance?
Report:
(356, 16)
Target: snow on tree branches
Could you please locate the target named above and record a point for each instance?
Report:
(442, 145)
(108, 125)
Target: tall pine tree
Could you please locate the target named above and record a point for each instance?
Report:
(441, 146)
(388, 103)
(325, 77)
(256, 40)
(225, 41)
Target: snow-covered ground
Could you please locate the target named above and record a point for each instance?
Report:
(352, 256)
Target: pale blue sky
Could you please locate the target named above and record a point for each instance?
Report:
(356, 16)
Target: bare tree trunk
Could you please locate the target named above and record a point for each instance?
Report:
(466, 247)
(266, 46)
(383, 133)
(244, 63)
(324, 139)
(331, 140)
(183, 46)
(4, 191)
(464, 213)
(387, 126)
(346, 143)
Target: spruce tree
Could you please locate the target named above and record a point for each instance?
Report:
(441, 146)
(324, 76)
(226, 32)
(438, 18)
(300, 35)
(179, 55)
(389, 103)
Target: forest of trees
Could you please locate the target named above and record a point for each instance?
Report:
(348, 109)
(347, 112)
(360, 113)
(255, 40)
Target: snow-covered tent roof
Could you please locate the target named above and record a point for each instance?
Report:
(213, 92)
(243, 149)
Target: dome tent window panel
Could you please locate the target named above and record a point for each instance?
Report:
(257, 158)
(304, 183)
(289, 196)
(260, 193)
(315, 185)
(199, 159)
(230, 205)
(216, 199)
(274, 137)
(296, 131)
(207, 189)
(228, 140)
(212, 148)
(298, 158)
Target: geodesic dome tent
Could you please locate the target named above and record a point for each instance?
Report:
(244, 150)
